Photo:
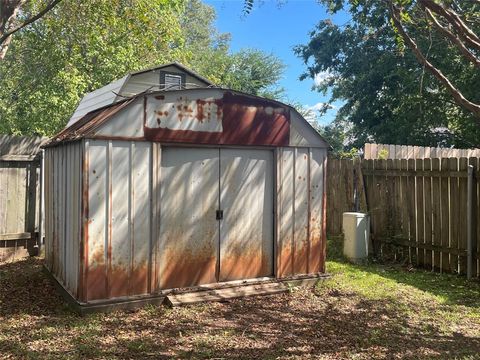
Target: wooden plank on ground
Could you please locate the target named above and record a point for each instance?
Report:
(226, 294)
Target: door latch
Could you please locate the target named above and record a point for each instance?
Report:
(219, 214)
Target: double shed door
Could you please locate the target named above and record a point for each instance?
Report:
(216, 216)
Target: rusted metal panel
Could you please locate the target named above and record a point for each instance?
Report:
(301, 211)
(197, 116)
(127, 123)
(301, 207)
(285, 201)
(118, 231)
(88, 124)
(141, 207)
(216, 117)
(120, 224)
(98, 190)
(189, 232)
(246, 199)
(317, 189)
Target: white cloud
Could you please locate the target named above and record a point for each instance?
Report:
(323, 77)
(321, 106)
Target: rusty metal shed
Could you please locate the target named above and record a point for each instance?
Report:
(177, 189)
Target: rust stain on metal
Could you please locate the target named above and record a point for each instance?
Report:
(139, 279)
(160, 97)
(324, 218)
(96, 282)
(245, 121)
(88, 124)
(300, 263)
(245, 265)
(285, 255)
(187, 268)
(84, 235)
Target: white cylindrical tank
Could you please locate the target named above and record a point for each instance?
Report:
(356, 230)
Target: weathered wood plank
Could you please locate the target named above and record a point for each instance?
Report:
(428, 209)
(419, 200)
(15, 236)
(436, 215)
(454, 214)
(462, 233)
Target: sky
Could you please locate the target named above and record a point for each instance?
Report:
(276, 26)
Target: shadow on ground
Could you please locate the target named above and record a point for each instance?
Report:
(322, 323)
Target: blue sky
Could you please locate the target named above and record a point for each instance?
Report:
(276, 26)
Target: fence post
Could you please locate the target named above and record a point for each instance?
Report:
(469, 220)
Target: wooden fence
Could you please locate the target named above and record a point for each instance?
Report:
(19, 195)
(421, 210)
(384, 151)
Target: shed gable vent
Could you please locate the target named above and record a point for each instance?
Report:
(172, 81)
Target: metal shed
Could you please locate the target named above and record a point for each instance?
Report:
(182, 188)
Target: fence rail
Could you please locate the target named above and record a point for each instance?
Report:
(422, 209)
(385, 151)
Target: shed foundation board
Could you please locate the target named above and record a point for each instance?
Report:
(186, 296)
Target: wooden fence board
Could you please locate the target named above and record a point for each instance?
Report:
(462, 226)
(428, 208)
(417, 207)
(436, 215)
(419, 200)
(375, 151)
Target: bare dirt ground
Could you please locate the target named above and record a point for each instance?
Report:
(362, 312)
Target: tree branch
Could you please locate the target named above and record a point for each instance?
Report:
(454, 19)
(454, 39)
(9, 33)
(457, 95)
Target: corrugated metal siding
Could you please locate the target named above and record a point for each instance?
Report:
(246, 199)
(63, 212)
(300, 243)
(119, 215)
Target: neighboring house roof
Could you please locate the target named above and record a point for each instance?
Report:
(119, 89)
(214, 115)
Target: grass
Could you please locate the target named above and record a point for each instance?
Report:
(371, 311)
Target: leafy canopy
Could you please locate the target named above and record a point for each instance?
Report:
(80, 46)
(387, 95)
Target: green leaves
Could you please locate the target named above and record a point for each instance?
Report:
(387, 96)
(83, 45)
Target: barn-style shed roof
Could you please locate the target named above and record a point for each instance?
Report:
(198, 116)
(134, 83)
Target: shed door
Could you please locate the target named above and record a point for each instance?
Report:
(189, 233)
(246, 199)
(196, 246)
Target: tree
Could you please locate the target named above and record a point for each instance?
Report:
(77, 48)
(394, 95)
(17, 14)
(448, 22)
(81, 46)
(388, 95)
